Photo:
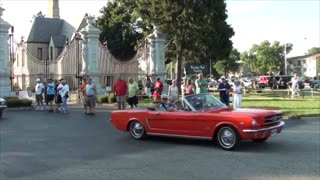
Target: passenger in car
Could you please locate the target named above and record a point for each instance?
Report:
(164, 101)
(157, 106)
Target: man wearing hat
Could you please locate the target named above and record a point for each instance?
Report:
(50, 93)
(39, 89)
(224, 89)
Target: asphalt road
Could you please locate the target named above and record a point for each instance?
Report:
(47, 146)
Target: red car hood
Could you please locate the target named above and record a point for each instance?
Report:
(253, 112)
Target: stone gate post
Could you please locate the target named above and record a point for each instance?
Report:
(157, 57)
(91, 53)
(5, 88)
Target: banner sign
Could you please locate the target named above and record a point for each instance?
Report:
(196, 68)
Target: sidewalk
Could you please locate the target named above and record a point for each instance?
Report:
(74, 105)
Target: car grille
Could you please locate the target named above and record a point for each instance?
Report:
(273, 118)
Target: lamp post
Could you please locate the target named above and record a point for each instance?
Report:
(285, 60)
(78, 39)
(11, 55)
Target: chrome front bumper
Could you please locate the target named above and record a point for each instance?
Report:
(264, 129)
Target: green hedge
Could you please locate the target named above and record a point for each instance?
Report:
(111, 99)
(103, 99)
(106, 98)
(16, 102)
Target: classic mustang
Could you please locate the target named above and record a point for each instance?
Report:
(204, 117)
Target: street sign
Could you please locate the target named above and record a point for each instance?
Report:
(195, 68)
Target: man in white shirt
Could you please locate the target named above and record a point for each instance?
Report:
(58, 96)
(39, 89)
(64, 93)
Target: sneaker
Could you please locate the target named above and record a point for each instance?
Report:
(42, 108)
(37, 108)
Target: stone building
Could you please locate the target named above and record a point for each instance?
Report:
(54, 49)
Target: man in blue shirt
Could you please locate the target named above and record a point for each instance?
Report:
(224, 89)
(50, 93)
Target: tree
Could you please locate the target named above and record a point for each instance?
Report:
(229, 64)
(122, 30)
(39, 14)
(313, 50)
(195, 29)
(266, 57)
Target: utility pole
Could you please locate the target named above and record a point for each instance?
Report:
(11, 56)
(78, 38)
(285, 60)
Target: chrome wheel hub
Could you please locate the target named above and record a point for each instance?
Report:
(227, 137)
(137, 129)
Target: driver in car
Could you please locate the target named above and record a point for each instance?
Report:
(178, 106)
(196, 103)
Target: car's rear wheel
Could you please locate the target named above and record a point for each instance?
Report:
(137, 130)
(228, 137)
(260, 140)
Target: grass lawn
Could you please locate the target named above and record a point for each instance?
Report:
(301, 106)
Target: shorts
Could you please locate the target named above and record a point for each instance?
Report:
(91, 101)
(39, 97)
(50, 97)
(121, 99)
(58, 99)
(84, 100)
(133, 100)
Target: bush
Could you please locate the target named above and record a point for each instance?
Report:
(16, 102)
(111, 99)
(103, 99)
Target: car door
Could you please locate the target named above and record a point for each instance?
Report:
(187, 123)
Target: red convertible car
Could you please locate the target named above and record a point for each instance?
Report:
(204, 117)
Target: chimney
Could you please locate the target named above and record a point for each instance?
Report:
(53, 9)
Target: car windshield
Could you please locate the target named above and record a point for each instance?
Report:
(203, 101)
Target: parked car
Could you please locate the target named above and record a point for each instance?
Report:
(205, 117)
(283, 82)
(314, 83)
(3, 106)
(263, 81)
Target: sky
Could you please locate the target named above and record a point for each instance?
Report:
(291, 21)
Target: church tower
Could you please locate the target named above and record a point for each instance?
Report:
(53, 9)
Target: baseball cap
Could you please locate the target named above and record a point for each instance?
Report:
(38, 80)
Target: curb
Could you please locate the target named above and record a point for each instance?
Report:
(19, 109)
(300, 117)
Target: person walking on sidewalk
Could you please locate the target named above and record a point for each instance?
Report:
(201, 84)
(64, 93)
(120, 89)
(50, 94)
(84, 96)
(237, 91)
(133, 89)
(58, 89)
(173, 92)
(39, 90)
(91, 93)
(224, 89)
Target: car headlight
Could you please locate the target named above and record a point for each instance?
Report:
(253, 122)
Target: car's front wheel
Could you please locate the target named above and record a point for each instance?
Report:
(137, 130)
(228, 137)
